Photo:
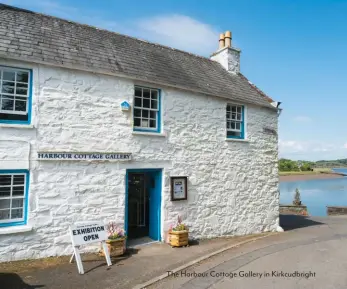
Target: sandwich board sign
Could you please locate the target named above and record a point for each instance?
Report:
(85, 233)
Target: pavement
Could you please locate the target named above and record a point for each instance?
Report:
(311, 253)
(138, 266)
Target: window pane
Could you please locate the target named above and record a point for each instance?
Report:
(138, 102)
(145, 113)
(238, 126)
(22, 85)
(7, 104)
(239, 116)
(153, 114)
(8, 75)
(233, 109)
(146, 93)
(137, 112)
(21, 98)
(5, 180)
(7, 88)
(228, 124)
(228, 115)
(154, 94)
(20, 105)
(5, 191)
(137, 122)
(22, 76)
(17, 214)
(144, 122)
(5, 204)
(146, 103)
(233, 134)
(17, 203)
(233, 116)
(138, 91)
(21, 91)
(18, 191)
(4, 214)
(239, 109)
(154, 104)
(18, 179)
(232, 125)
(152, 123)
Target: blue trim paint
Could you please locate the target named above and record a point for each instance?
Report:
(242, 136)
(26, 196)
(158, 130)
(243, 123)
(158, 192)
(155, 207)
(29, 98)
(126, 206)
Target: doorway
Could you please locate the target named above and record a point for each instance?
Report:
(143, 204)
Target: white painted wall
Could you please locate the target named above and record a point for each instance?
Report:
(232, 186)
(229, 58)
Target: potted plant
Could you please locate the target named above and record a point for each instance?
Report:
(116, 239)
(178, 234)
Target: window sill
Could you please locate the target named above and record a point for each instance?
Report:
(15, 229)
(149, 133)
(13, 125)
(237, 139)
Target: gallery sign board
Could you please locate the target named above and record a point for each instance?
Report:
(86, 233)
(83, 156)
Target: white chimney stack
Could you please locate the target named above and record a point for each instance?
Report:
(226, 55)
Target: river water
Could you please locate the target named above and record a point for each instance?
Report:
(317, 194)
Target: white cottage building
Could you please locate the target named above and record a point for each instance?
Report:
(95, 125)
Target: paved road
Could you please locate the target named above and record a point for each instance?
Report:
(312, 253)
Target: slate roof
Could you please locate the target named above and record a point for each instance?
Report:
(35, 37)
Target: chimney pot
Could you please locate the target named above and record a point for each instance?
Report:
(227, 39)
(221, 41)
(229, 58)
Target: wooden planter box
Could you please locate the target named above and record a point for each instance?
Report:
(115, 247)
(178, 238)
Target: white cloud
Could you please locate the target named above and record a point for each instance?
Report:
(311, 150)
(302, 118)
(181, 32)
(345, 146)
(305, 146)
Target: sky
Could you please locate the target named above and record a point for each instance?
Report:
(293, 50)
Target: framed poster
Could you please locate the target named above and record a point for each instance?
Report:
(178, 188)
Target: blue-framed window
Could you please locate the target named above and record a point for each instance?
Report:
(14, 185)
(146, 113)
(15, 95)
(235, 121)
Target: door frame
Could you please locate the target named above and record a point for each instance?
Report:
(160, 171)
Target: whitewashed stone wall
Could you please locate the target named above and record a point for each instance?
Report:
(229, 58)
(232, 186)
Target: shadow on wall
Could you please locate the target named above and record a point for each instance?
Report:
(291, 222)
(14, 281)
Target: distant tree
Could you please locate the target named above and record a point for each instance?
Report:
(286, 165)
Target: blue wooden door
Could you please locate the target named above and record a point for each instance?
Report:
(155, 205)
